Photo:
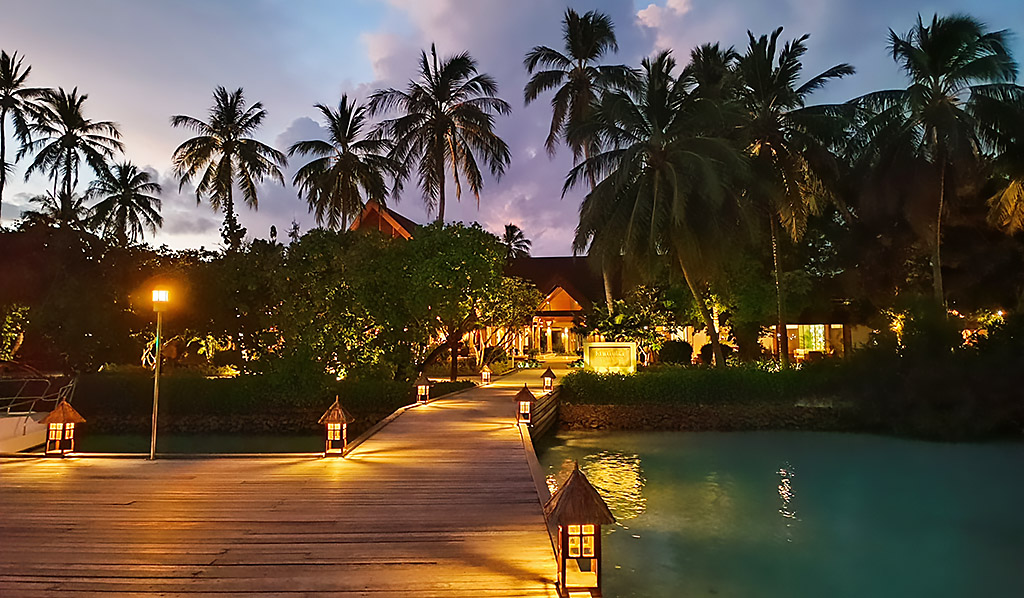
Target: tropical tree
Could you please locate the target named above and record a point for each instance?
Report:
(788, 142)
(345, 163)
(18, 100)
(127, 204)
(961, 79)
(578, 83)
(666, 184)
(225, 155)
(446, 121)
(62, 137)
(63, 210)
(515, 242)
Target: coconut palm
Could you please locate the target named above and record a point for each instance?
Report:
(127, 204)
(17, 100)
(446, 121)
(788, 142)
(65, 210)
(665, 182)
(960, 80)
(63, 137)
(712, 72)
(515, 242)
(224, 155)
(577, 82)
(345, 163)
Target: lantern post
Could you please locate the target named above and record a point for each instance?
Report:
(60, 429)
(422, 388)
(579, 512)
(524, 404)
(161, 298)
(337, 420)
(549, 379)
(485, 375)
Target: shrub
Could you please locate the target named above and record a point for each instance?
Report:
(677, 352)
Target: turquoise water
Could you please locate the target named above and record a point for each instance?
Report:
(803, 515)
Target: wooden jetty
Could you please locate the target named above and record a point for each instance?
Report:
(440, 502)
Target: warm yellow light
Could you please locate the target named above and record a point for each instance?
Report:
(161, 296)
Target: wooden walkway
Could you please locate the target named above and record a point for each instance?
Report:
(440, 502)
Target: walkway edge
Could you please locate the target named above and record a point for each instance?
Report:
(539, 481)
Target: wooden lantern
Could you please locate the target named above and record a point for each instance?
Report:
(579, 512)
(337, 420)
(549, 379)
(485, 375)
(524, 406)
(60, 429)
(422, 389)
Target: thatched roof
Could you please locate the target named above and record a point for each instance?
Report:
(524, 394)
(336, 415)
(576, 502)
(548, 374)
(64, 413)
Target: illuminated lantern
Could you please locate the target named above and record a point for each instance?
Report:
(485, 375)
(579, 512)
(422, 389)
(337, 420)
(549, 379)
(524, 400)
(60, 429)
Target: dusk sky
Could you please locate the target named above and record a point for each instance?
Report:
(142, 61)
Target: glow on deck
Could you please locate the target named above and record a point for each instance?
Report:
(440, 502)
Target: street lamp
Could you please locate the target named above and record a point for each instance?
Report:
(161, 298)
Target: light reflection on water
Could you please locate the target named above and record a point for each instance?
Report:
(619, 478)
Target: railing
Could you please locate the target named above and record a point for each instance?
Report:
(545, 413)
(24, 389)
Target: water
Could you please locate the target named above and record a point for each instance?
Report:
(803, 515)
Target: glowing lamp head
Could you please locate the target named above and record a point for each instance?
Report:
(524, 402)
(485, 375)
(422, 389)
(161, 297)
(549, 379)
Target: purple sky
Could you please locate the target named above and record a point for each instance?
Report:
(141, 62)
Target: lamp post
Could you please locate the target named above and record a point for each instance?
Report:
(160, 299)
(422, 388)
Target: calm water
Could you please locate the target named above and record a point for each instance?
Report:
(803, 515)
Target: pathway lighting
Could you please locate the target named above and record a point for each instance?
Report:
(337, 420)
(422, 388)
(161, 298)
(60, 429)
(485, 375)
(549, 379)
(524, 399)
(579, 512)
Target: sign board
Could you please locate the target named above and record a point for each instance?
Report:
(618, 357)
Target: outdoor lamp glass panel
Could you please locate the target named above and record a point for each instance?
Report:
(524, 411)
(56, 431)
(160, 299)
(485, 377)
(69, 431)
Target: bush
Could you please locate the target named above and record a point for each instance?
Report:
(677, 352)
(707, 354)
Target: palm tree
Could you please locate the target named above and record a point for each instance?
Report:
(344, 164)
(712, 72)
(62, 137)
(126, 207)
(665, 182)
(227, 156)
(17, 100)
(515, 242)
(961, 78)
(447, 119)
(578, 83)
(788, 141)
(64, 210)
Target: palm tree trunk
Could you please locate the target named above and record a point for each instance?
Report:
(453, 346)
(781, 333)
(940, 297)
(440, 187)
(3, 158)
(709, 321)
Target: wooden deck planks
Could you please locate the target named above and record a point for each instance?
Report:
(440, 502)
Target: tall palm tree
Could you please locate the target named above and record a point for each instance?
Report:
(127, 206)
(788, 141)
(18, 100)
(961, 77)
(226, 155)
(578, 82)
(446, 121)
(63, 137)
(665, 182)
(515, 242)
(61, 210)
(345, 164)
(712, 72)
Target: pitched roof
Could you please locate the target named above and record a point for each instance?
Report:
(373, 210)
(580, 277)
(548, 374)
(336, 414)
(524, 394)
(64, 413)
(576, 502)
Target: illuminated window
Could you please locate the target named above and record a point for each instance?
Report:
(811, 337)
(55, 431)
(333, 431)
(69, 431)
(524, 409)
(581, 541)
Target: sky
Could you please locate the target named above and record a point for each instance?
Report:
(142, 62)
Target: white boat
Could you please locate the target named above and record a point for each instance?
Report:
(26, 397)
